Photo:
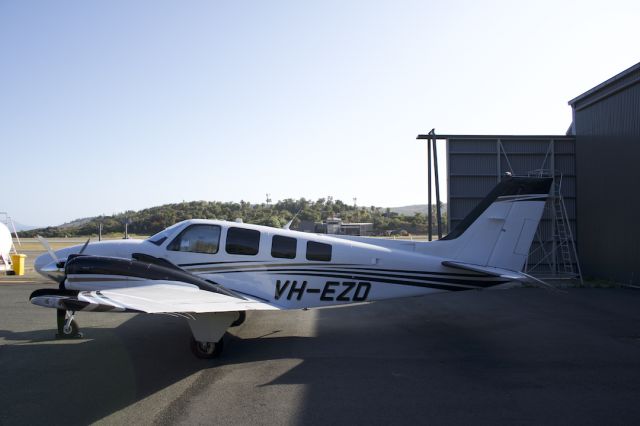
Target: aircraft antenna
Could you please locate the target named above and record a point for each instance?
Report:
(288, 225)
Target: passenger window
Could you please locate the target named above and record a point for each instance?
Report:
(243, 241)
(284, 247)
(197, 239)
(318, 251)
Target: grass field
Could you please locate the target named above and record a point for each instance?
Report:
(32, 244)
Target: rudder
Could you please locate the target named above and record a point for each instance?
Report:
(500, 230)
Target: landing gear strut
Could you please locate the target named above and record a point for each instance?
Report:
(242, 316)
(67, 325)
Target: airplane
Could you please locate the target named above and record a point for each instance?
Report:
(212, 272)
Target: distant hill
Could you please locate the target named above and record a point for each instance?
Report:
(21, 227)
(151, 220)
(415, 208)
(76, 223)
(410, 210)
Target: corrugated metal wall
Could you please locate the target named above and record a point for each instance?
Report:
(607, 158)
(476, 164)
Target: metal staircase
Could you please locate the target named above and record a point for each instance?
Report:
(557, 257)
(563, 236)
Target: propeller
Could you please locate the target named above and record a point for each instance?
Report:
(52, 253)
(84, 247)
(46, 245)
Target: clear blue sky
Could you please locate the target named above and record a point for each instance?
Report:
(115, 105)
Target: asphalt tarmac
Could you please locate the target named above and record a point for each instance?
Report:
(522, 356)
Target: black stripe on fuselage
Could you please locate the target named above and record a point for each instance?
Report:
(350, 274)
(215, 263)
(452, 277)
(422, 283)
(329, 267)
(453, 274)
(441, 282)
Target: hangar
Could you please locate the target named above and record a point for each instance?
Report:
(595, 203)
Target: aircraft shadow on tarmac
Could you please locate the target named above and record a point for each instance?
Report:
(84, 380)
(87, 379)
(378, 363)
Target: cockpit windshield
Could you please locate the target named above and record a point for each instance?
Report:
(161, 236)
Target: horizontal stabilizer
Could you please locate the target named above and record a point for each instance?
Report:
(489, 270)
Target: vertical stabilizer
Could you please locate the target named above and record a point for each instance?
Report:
(499, 231)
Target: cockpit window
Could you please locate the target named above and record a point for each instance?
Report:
(197, 239)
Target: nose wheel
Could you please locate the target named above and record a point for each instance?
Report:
(67, 325)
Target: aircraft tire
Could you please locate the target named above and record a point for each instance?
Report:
(206, 350)
(242, 316)
(72, 332)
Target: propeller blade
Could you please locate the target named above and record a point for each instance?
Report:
(46, 245)
(84, 246)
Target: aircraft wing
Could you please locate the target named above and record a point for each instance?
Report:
(155, 297)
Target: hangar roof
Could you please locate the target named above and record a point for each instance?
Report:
(493, 137)
(615, 84)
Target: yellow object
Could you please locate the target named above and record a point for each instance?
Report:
(18, 263)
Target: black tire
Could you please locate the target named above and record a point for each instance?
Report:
(72, 331)
(242, 315)
(206, 350)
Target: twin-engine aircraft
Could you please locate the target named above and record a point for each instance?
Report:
(211, 272)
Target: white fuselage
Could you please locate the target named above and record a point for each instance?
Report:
(314, 271)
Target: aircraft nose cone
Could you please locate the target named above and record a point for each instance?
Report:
(46, 266)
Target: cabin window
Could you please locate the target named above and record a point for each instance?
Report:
(318, 251)
(243, 241)
(284, 247)
(197, 239)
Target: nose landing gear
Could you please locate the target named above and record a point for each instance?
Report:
(67, 325)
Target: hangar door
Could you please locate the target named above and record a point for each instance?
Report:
(477, 163)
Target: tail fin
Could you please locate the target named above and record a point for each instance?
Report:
(499, 231)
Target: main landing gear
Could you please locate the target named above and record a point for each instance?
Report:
(208, 331)
(242, 316)
(207, 350)
(67, 325)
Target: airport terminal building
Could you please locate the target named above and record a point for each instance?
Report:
(596, 204)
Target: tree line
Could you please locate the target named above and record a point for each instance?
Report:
(151, 220)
